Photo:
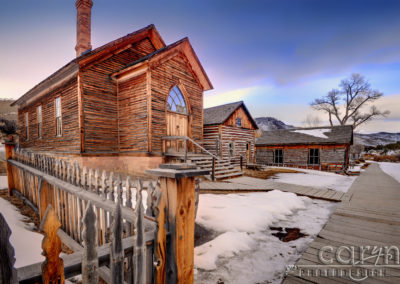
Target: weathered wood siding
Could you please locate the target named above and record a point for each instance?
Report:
(239, 113)
(100, 102)
(298, 155)
(174, 71)
(69, 141)
(227, 134)
(239, 137)
(211, 133)
(132, 110)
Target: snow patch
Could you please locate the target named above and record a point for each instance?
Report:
(392, 169)
(3, 182)
(256, 257)
(239, 218)
(27, 244)
(314, 132)
(317, 179)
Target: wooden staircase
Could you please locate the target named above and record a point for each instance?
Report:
(223, 168)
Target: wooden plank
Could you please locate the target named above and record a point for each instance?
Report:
(139, 255)
(53, 266)
(117, 253)
(90, 263)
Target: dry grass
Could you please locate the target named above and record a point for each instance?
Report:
(265, 174)
(365, 165)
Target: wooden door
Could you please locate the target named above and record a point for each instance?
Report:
(177, 125)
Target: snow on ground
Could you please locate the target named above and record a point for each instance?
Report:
(27, 244)
(314, 132)
(317, 179)
(3, 182)
(392, 169)
(245, 251)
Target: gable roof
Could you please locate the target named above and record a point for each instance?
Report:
(182, 46)
(307, 136)
(220, 114)
(71, 69)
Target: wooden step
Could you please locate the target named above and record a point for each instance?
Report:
(230, 175)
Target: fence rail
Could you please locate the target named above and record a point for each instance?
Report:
(117, 228)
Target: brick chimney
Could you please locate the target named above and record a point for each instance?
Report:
(83, 23)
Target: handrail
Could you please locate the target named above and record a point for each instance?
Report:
(191, 140)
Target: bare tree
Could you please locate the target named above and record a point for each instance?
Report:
(312, 121)
(346, 103)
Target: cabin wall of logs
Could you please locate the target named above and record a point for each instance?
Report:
(230, 143)
(332, 157)
(123, 220)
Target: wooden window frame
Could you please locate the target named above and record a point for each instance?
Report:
(184, 96)
(58, 119)
(278, 158)
(39, 121)
(312, 157)
(26, 115)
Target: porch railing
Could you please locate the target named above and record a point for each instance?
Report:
(185, 140)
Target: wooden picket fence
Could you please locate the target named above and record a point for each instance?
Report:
(116, 232)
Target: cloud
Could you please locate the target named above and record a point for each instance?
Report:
(228, 97)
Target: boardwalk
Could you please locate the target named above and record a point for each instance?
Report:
(243, 184)
(368, 216)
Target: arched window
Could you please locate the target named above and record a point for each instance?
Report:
(176, 101)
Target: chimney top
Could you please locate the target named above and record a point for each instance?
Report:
(83, 26)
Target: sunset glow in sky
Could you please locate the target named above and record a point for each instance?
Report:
(277, 56)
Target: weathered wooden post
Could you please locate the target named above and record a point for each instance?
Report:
(241, 163)
(53, 266)
(9, 151)
(90, 262)
(213, 169)
(8, 274)
(177, 185)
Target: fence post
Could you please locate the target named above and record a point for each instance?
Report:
(9, 151)
(90, 262)
(8, 274)
(213, 169)
(53, 266)
(177, 185)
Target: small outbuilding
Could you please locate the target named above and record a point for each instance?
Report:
(229, 132)
(319, 148)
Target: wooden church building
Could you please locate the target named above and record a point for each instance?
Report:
(229, 132)
(110, 107)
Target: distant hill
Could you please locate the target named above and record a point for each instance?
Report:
(375, 139)
(271, 123)
(6, 111)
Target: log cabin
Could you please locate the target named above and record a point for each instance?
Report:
(110, 107)
(319, 148)
(229, 132)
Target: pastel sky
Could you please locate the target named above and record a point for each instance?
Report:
(277, 56)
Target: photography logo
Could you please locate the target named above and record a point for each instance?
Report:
(354, 262)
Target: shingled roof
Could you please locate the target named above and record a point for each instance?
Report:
(220, 114)
(307, 136)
